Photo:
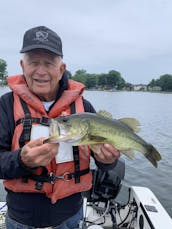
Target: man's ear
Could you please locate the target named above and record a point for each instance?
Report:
(63, 68)
(22, 64)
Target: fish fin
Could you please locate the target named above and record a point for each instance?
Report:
(128, 153)
(97, 139)
(105, 114)
(90, 140)
(153, 155)
(132, 123)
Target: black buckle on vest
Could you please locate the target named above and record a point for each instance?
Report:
(27, 122)
(45, 121)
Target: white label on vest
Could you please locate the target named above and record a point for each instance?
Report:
(65, 153)
(39, 131)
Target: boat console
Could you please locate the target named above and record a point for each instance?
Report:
(104, 208)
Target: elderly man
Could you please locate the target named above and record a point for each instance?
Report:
(43, 185)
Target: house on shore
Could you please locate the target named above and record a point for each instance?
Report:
(137, 87)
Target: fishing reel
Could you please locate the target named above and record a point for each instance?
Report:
(106, 184)
(100, 199)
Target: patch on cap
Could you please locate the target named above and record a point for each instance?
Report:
(41, 36)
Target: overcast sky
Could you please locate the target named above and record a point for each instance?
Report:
(133, 37)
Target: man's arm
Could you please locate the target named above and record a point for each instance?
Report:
(10, 166)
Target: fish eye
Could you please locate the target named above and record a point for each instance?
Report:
(64, 119)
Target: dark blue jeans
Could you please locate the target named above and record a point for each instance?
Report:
(71, 223)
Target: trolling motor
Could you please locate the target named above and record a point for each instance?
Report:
(105, 188)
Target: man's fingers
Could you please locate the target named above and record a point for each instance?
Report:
(109, 149)
(35, 153)
(35, 142)
(107, 153)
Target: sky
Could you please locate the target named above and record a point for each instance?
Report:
(133, 37)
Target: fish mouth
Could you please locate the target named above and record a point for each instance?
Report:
(66, 136)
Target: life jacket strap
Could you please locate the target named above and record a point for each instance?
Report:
(75, 151)
(27, 123)
(76, 163)
(52, 178)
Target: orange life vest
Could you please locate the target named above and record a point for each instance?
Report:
(61, 187)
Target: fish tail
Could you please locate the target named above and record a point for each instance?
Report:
(153, 155)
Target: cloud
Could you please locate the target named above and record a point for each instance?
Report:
(131, 36)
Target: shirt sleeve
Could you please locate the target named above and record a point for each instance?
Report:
(88, 106)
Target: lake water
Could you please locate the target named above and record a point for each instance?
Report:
(154, 111)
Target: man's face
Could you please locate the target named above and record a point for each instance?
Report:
(43, 71)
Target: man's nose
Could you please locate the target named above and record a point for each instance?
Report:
(41, 69)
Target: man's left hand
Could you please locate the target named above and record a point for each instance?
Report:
(106, 154)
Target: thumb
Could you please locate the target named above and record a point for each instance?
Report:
(35, 142)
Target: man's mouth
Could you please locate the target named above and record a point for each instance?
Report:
(41, 81)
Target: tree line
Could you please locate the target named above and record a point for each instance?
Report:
(105, 81)
(164, 82)
(111, 80)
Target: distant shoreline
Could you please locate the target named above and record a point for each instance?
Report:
(112, 90)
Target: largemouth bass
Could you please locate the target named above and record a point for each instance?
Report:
(90, 129)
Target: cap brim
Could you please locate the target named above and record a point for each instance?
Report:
(32, 47)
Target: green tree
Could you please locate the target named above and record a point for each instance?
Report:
(80, 76)
(153, 83)
(114, 80)
(3, 71)
(110, 80)
(91, 81)
(102, 80)
(165, 82)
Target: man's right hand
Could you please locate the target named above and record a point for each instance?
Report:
(35, 153)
